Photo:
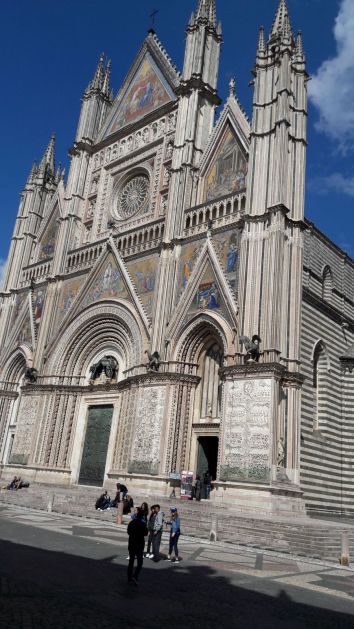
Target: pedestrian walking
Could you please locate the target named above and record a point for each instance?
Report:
(174, 535)
(137, 531)
(156, 540)
(150, 526)
(198, 488)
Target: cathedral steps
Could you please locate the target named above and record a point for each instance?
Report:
(306, 537)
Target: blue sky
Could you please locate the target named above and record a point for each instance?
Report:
(49, 51)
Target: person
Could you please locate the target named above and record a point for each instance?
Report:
(207, 484)
(145, 509)
(137, 531)
(156, 540)
(15, 483)
(128, 505)
(174, 535)
(122, 489)
(120, 505)
(103, 502)
(198, 488)
(150, 526)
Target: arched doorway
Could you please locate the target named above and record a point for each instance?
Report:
(14, 378)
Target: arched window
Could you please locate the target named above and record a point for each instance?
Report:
(327, 284)
(320, 384)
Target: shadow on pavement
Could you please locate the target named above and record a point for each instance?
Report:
(54, 590)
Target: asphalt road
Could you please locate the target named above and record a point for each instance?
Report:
(58, 572)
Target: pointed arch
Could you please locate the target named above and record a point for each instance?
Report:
(320, 371)
(327, 284)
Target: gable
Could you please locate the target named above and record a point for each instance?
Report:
(48, 240)
(146, 92)
(208, 296)
(227, 171)
(108, 284)
(143, 275)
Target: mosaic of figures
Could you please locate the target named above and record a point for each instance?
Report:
(208, 296)
(68, 294)
(226, 246)
(148, 134)
(38, 304)
(107, 285)
(48, 241)
(19, 301)
(146, 93)
(143, 274)
(24, 335)
(228, 170)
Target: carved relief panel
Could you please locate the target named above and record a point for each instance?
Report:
(247, 431)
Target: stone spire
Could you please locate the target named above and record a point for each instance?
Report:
(299, 50)
(261, 47)
(206, 11)
(281, 25)
(47, 164)
(96, 102)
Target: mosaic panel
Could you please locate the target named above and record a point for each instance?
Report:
(145, 94)
(228, 170)
(143, 274)
(38, 304)
(48, 241)
(109, 283)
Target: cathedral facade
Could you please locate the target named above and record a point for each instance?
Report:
(167, 306)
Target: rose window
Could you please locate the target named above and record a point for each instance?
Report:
(133, 196)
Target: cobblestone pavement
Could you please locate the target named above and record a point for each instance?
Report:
(60, 572)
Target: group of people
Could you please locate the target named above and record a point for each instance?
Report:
(122, 501)
(202, 488)
(17, 483)
(144, 524)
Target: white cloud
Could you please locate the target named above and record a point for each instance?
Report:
(2, 272)
(332, 88)
(335, 181)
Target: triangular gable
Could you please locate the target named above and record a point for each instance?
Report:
(47, 239)
(150, 84)
(108, 280)
(207, 290)
(227, 169)
(22, 331)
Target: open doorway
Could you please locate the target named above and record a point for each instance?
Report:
(207, 458)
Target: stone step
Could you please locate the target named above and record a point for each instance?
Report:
(309, 538)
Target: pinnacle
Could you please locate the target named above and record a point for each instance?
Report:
(47, 162)
(207, 10)
(281, 24)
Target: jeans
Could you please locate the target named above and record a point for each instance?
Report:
(150, 542)
(207, 491)
(139, 557)
(173, 544)
(156, 541)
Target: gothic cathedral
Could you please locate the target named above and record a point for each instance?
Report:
(167, 306)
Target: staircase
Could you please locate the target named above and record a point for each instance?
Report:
(305, 537)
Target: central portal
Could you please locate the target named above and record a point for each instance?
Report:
(94, 455)
(207, 456)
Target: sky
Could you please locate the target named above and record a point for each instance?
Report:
(49, 51)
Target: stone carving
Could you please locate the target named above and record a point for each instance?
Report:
(28, 417)
(247, 430)
(146, 446)
(31, 375)
(252, 348)
(107, 365)
(133, 196)
(281, 453)
(154, 361)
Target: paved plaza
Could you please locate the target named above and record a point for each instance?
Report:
(59, 571)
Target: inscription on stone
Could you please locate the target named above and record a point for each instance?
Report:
(146, 447)
(247, 431)
(94, 455)
(28, 414)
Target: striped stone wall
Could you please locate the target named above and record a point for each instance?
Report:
(327, 423)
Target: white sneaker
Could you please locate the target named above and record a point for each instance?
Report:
(168, 557)
(176, 560)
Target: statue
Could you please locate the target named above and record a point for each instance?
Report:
(31, 375)
(154, 361)
(252, 348)
(281, 453)
(107, 365)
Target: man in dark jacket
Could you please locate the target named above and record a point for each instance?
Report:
(137, 531)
